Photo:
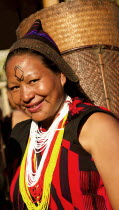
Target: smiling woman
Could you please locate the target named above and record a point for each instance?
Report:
(64, 163)
(35, 88)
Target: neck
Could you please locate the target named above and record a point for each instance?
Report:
(48, 122)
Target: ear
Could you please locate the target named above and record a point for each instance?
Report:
(63, 79)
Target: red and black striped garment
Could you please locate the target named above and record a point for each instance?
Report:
(76, 183)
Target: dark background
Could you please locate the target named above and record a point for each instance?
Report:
(12, 12)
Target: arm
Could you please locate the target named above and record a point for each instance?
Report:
(100, 137)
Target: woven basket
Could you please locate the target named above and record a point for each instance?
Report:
(87, 34)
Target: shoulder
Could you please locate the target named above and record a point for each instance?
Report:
(101, 119)
(84, 114)
(99, 128)
(81, 108)
(100, 137)
(21, 129)
(20, 134)
(18, 116)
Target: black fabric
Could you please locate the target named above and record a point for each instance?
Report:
(16, 147)
(72, 131)
(74, 126)
(20, 135)
(65, 189)
(56, 199)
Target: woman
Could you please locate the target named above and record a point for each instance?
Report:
(68, 153)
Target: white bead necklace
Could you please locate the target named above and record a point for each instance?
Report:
(40, 141)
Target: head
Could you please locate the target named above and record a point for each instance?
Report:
(38, 77)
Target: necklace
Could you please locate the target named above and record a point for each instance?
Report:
(42, 141)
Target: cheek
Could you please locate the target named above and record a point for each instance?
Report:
(15, 98)
(44, 87)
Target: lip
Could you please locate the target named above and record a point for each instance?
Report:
(34, 107)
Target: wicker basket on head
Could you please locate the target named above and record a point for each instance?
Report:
(87, 34)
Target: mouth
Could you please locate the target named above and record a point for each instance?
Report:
(34, 107)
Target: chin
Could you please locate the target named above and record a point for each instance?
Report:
(37, 118)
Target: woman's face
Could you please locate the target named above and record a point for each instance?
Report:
(35, 88)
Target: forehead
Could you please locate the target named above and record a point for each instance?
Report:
(22, 66)
(20, 63)
(21, 57)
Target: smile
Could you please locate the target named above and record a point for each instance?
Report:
(34, 108)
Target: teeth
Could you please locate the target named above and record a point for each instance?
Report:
(34, 106)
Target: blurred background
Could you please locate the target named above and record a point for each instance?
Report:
(12, 12)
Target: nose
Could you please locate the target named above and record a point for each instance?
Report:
(27, 94)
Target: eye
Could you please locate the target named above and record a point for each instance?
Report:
(14, 88)
(33, 81)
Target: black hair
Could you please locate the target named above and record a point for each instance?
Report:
(73, 89)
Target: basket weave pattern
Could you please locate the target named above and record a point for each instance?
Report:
(87, 65)
(78, 23)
